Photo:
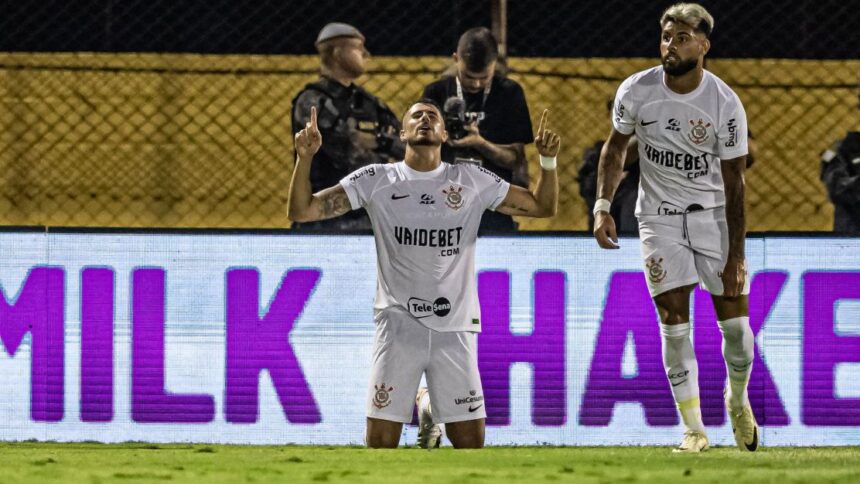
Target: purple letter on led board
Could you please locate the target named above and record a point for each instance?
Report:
(544, 348)
(257, 343)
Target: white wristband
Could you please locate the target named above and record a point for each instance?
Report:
(601, 205)
(548, 162)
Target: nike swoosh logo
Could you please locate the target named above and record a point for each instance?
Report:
(643, 123)
(473, 409)
(398, 197)
(682, 381)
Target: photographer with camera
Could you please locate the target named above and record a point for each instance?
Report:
(486, 116)
(358, 128)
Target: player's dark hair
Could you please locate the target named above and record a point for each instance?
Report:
(422, 101)
(478, 48)
(702, 26)
(427, 100)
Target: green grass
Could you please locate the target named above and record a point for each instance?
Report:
(135, 463)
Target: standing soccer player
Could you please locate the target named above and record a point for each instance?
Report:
(425, 216)
(692, 133)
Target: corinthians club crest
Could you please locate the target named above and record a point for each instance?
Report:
(382, 397)
(453, 197)
(656, 273)
(698, 133)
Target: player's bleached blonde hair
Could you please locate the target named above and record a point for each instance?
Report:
(691, 14)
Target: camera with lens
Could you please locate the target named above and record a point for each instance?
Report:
(456, 119)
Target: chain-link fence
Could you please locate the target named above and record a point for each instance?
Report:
(176, 114)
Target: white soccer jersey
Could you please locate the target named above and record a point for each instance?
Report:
(425, 225)
(682, 138)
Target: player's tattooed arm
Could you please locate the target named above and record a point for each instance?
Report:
(517, 202)
(734, 273)
(331, 202)
(328, 203)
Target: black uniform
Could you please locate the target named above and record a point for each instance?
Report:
(623, 205)
(357, 130)
(840, 172)
(503, 119)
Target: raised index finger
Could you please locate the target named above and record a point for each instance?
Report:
(542, 123)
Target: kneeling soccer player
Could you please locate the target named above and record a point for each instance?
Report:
(425, 216)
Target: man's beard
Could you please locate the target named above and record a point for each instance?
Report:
(681, 68)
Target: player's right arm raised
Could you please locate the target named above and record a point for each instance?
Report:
(305, 206)
(609, 170)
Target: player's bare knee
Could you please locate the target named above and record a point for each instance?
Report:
(467, 441)
(382, 441)
(672, 314)
(674, 305)
(382, 434)
(466, 435)
(676, 317)
(731, 307)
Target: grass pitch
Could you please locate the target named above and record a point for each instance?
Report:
(137, 463)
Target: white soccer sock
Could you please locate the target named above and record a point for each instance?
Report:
(683, 372)
(738, 344)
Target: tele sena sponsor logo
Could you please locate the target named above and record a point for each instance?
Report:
(422, 309)
(258, 340)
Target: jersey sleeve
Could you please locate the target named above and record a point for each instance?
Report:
(624, 109)
(732, 134)
(359, 185)
(492, 189)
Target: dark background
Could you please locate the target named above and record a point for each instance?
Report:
(816, 29)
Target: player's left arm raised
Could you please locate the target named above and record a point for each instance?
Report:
(543, 202)
(734, 273)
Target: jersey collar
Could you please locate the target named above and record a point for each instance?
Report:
(695, 92)
(411, 174)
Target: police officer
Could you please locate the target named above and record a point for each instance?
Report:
(357, 127)
(840, 172)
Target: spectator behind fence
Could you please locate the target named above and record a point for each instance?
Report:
(358, 128)
(624, 203)
(486, 116)
(840, 172)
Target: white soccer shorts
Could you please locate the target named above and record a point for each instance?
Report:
(403, 351)
(680, 250)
